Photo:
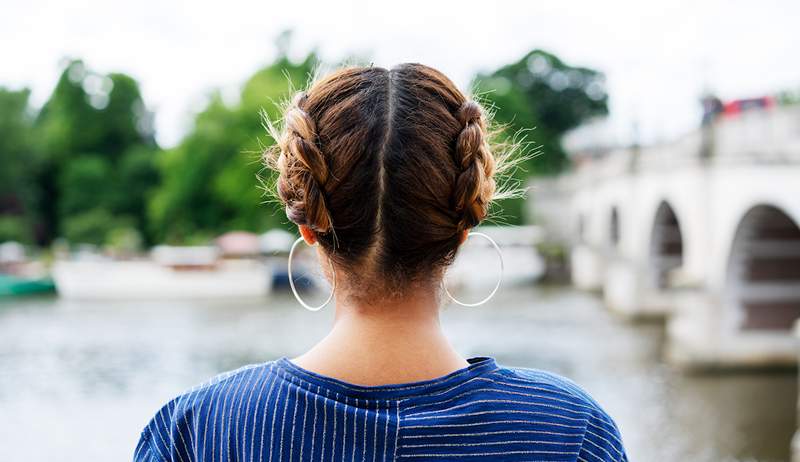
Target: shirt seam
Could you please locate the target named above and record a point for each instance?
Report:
(583, 438)
(396, 434)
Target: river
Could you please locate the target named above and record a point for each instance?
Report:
(78, 381)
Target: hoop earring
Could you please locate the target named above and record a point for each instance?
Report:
(499, 281)
(294, 289)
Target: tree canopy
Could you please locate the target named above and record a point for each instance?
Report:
(18, 195)
(211, 179)
(536, 100)
(96, 143)
(86, 167)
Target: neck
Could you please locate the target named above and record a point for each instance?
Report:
(383, 343)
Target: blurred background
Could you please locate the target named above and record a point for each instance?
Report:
(655, 260)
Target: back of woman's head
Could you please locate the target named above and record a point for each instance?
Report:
(389, 168)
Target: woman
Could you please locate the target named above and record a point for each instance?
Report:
(387, 171)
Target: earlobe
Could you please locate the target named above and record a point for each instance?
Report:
(464, 235)
(308, 234)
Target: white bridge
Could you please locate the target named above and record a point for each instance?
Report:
(703, 231)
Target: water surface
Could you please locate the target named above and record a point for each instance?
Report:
(78, 381)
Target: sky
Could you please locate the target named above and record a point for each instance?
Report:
(658, 56)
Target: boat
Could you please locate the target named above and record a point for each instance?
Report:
(170, 273)
(15, 285)
(20, 275)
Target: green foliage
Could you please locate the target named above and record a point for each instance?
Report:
(541, 93)
(93, 226)
(98, 153)
(539, 98)
(14, 228)
(124, 240)
(136, 177)
(84, 184)
(87, 168)
(211, 179)
(90, 112)
(67, 122)
(18, 195)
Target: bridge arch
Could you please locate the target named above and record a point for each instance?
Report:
(666, 245)
(763, 274)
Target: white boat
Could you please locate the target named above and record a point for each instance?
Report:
(172, 273)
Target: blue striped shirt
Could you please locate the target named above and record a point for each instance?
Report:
(277, 411)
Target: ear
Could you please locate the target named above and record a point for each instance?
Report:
(308, 234)
(463, 237)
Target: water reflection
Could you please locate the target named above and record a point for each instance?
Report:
(68, 370)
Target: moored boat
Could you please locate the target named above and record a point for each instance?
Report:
(16, 285)
(171, 273)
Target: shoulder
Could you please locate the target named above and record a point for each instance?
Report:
(169, 433)
(564, 402)
(547, 382)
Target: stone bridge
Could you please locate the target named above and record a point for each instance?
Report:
(703, 231)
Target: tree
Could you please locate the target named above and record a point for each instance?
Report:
(541, 98)
(211, 179)
(98, 151)
(18, 195)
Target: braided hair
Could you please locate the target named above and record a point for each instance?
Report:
(475, 184)
(389, 168)
(304, 170)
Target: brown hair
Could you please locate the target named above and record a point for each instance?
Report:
(388, 168)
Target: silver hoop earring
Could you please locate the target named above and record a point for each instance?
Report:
(294, 289)
(499, 280)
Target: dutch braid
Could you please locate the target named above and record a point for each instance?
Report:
(475, 184)
(304, 171)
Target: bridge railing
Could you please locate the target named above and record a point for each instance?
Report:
(759, 136)
(768, 136)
